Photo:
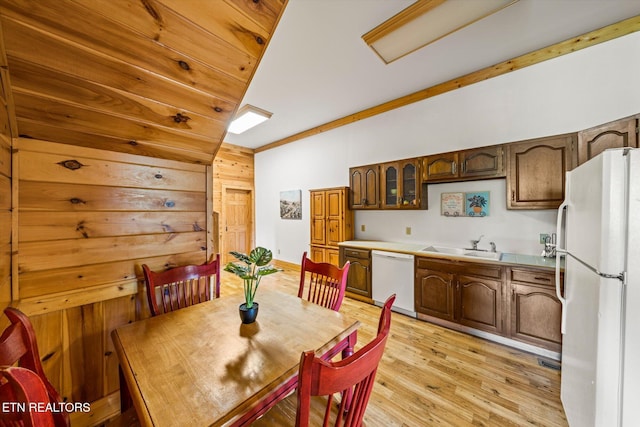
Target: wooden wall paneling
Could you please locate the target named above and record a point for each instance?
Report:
(88, 220)
(65, 300)
(117, 312)
(77, 197)
(62, 168)
(71, 225)
(86, 351)
(49, 333)
(212, 223)
(6, 184)
(44, 255)
(36, 284)
(44, 146)
(106, 143)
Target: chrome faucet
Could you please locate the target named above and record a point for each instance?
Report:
(474, 243)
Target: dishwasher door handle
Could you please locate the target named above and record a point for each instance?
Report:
(392, 255)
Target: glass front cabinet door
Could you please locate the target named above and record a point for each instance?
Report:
(401, 185)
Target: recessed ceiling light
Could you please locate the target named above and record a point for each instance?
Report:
(246, 118)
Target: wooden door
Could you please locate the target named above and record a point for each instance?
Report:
(434, 293)
(334, 214)
(621, 133)
(318, 218)
(536, 315)
(480, 303)
(238, 228)
(364, 184)
(537, 168)
(389, 185)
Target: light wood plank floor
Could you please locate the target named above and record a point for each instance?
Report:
(431, 375)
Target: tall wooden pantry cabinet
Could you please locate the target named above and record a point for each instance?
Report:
(331, 223)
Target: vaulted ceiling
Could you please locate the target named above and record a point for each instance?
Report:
(163, 78)
(160, 78)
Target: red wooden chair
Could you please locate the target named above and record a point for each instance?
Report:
(352, 378)
(183, 286)
(326, 284)
(18, 345)
(24, 388)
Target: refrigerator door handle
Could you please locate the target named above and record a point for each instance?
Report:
(560, 253)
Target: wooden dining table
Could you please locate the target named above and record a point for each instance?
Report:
(200, 366)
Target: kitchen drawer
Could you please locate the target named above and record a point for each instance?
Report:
(357, 253)
(537, 277)
(460, 267)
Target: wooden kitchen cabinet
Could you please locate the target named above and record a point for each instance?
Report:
(440, 167)
(618, 134)
(359, 278)
(482, 163)
(331, 223)
(364, 184)
(536, 172)
(476, 163)
(535, 310)
(466, 293)
(401, 185)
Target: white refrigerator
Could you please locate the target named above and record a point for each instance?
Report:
(600, 222)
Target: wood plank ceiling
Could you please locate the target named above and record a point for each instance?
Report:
(160, 78)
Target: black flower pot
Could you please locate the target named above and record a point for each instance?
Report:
(248, 315)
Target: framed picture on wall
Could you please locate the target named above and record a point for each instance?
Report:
(452, 204)
(291, 204)
(477, 204)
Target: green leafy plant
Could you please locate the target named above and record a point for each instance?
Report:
(477, 201)
(254, 269)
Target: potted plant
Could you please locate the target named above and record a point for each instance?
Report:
(251, 270)
(476, 203)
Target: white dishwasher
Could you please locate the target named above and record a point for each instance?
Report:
(392, 273)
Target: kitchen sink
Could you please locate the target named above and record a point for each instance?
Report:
(462, 252)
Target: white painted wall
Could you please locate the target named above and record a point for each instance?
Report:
(566, 94)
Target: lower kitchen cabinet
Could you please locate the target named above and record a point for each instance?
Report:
(359, 278)
(469, 294)
(535, 310)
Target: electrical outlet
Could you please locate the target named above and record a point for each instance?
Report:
(408, 230)
(363, 227)
(543, 238)
(278, 251)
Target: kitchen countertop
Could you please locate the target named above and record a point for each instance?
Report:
(416, 249)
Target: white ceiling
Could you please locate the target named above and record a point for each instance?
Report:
(317, 68)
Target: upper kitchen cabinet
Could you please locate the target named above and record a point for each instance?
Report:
(621, 133)
(441, 167)
(401, 185)
(477, 163)
(536, 172)
(364, 182)
(482, 163)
